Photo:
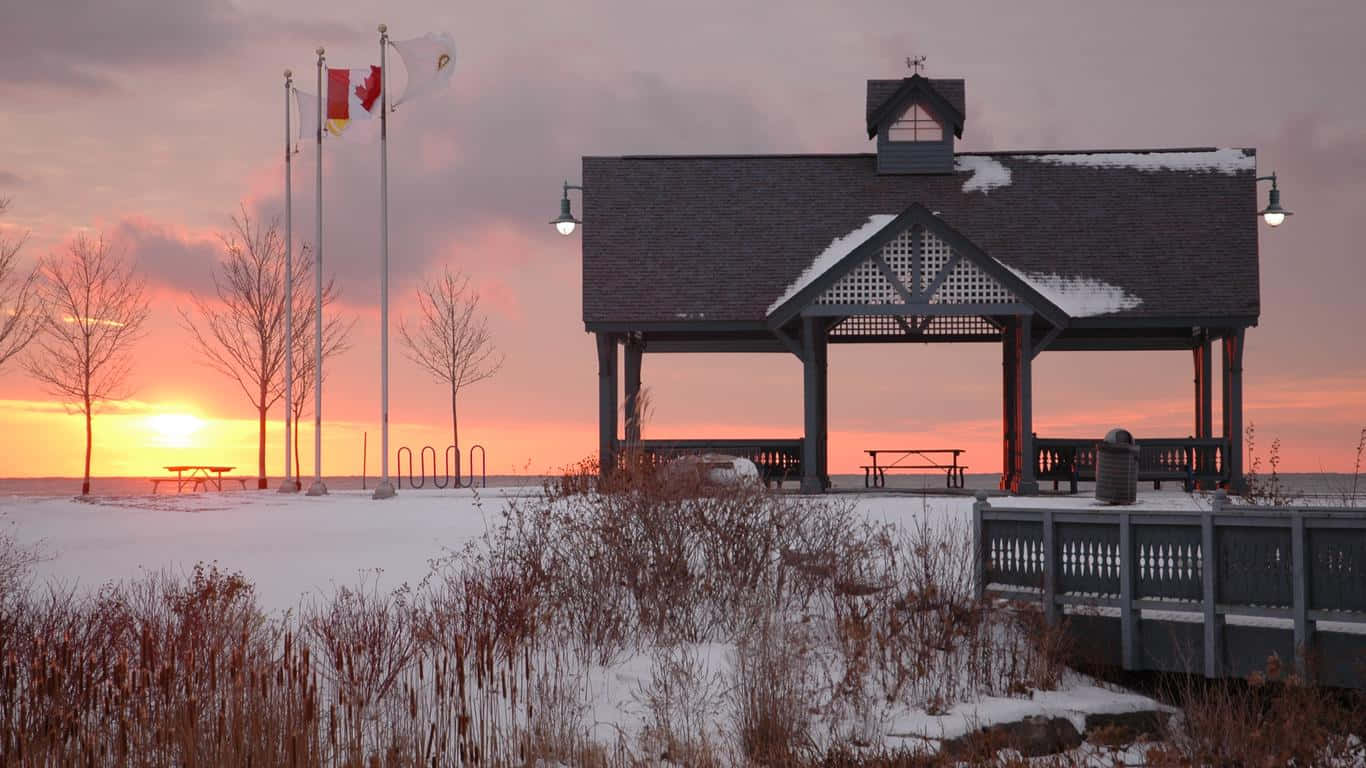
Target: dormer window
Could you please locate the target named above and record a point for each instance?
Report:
(915, 121)
(915, 124)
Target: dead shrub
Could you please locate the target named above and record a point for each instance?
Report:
(366, 643)
(1277, 721)
(773, 722)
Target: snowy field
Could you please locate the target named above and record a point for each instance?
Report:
(294, 547)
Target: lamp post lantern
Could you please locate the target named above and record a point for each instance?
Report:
(565, 223)
(1273, 214)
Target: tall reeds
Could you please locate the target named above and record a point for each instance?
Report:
(830, 621)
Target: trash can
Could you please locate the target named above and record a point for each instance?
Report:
(1117, 468)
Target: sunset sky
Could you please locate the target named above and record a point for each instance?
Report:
(152, 121)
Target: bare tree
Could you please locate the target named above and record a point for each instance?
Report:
(451, 339)
(336, 333)
(241, 333)
(20, 312)
(95, 308)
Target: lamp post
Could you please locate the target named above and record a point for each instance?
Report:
(565, 223)
(1273, 214)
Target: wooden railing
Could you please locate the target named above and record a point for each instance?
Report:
(1299, 565)
(1190, 460)
(778, 460)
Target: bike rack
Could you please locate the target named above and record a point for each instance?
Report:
(483, 467)
(398, 475)
(441, 482)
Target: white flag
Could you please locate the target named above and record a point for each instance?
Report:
(308, 114)
(429, 59)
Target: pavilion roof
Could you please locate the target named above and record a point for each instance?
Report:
(670, 239)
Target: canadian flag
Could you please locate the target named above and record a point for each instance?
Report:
(351, 94)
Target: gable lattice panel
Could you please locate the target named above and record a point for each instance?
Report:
(965, 284)
(867, 326)
(864, 284)
(934, 256)
(867, 283)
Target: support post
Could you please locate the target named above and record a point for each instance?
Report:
(1050, 569)
(1209, 559)
(635, 349)
(1128, 617)
(1024, 354)
(813, 372)
(607, 404)
(979, 548)
(823, 380)
(1204, 411)
(1299, 568)
(1204, 386)
(1009, 405)
(1233, 408)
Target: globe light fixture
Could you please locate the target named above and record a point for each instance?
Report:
(1273, 214)
(565, 224)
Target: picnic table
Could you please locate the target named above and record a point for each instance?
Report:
(200, 476)
(912, 459)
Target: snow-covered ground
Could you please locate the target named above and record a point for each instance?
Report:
(295, 546)
(289, 546)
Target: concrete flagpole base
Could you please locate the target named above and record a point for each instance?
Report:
(288, 486)
(317, 489)
(385, 490)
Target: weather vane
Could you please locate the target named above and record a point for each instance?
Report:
(915, 63)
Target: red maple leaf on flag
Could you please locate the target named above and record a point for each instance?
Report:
(368, 90)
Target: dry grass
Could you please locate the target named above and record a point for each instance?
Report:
(1269, 720)
(832, 622)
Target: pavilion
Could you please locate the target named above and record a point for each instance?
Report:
(1152, 249)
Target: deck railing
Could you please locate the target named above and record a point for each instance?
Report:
(1303, 565)
(1190, 460)
(778, 460)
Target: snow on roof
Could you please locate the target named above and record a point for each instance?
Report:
(839, 248)
(1079, 296)
(1227, 161)
(987, 173)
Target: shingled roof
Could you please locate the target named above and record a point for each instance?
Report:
(722, 238)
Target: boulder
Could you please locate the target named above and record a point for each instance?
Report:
(1031, 737)
(1120, 729)
(716, 469)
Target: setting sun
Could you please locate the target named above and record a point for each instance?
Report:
(173, 430)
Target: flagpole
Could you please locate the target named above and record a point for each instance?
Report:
(385, 489)
(318, 488)
(289, 485)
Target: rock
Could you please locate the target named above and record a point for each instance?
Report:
(1120, 729)
(1032, 737)
(717, 469)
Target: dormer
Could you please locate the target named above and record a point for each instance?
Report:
(915, 121)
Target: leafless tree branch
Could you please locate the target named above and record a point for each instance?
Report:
(20, 311)
(450, 338)
(240, 331)
(95, 306)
